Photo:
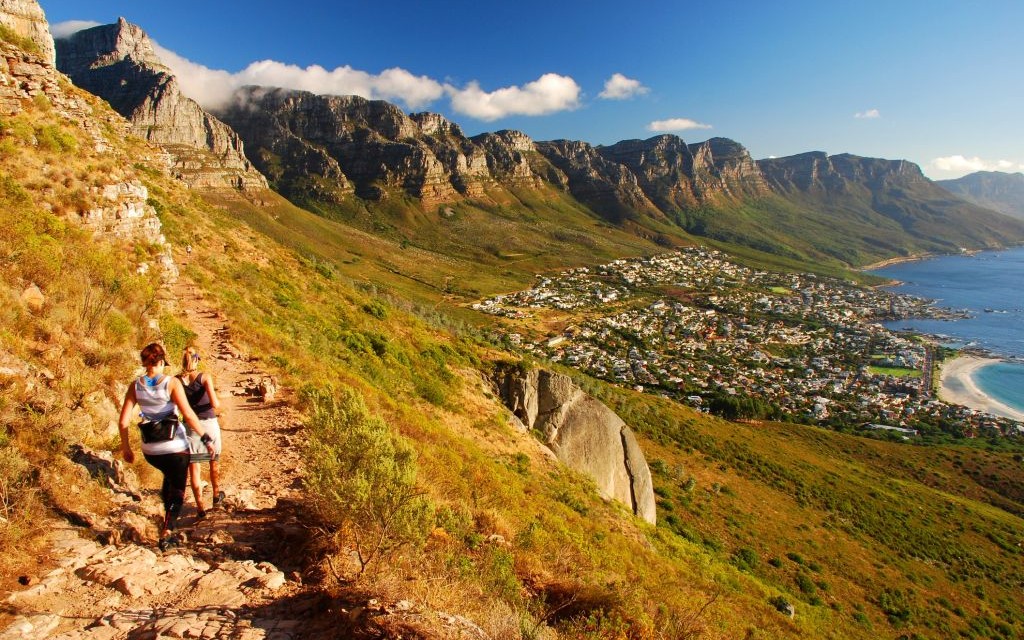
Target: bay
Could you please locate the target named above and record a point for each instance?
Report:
(989, 286)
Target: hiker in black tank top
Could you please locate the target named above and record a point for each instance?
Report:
(202, 398)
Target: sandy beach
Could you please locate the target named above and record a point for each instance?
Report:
(957, 387)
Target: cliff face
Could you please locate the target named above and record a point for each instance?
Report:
(818, 173)
(584, 434)
(372, 149)
(676, 176)
(606, 186)
(117, 62)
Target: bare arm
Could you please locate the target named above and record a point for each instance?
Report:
(122, 425)
(211, 393)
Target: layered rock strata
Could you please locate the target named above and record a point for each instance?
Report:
(583, 433)
(118, 63)
(25, 20)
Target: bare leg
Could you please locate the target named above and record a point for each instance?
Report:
(215, 476)
(195, 477)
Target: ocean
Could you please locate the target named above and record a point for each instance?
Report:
(988, 285)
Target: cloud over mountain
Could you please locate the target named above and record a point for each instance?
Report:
(213, 87)
(548, 94)
(962, 164)
(70, 27)
(619, 87)
(676, 124)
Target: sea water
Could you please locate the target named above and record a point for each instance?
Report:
(990, 285)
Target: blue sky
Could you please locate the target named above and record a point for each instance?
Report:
(937, 82)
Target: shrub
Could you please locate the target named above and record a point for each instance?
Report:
(361, 478)
(746, 559)
(376, 309)
(781, 604)
(176, 336)
(897, 606)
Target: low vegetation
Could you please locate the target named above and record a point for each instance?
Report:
(413, 464)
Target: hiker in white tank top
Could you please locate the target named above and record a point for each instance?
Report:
(157, 396)
(153, 395)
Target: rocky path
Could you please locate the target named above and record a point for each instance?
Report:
(238, 573)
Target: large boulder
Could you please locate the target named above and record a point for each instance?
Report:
(583, 433)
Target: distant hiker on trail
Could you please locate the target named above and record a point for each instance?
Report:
(202, 397)
(164, 443)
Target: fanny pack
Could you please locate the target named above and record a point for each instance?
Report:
(158, 430)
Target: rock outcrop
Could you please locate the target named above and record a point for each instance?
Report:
(25, 19)
(118, 210)
(118, 63)
(583, 433)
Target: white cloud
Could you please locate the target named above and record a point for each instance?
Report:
(71, 27)
(870, 114)
(962, 165)
(619, 87)
(213, 87)
(548, 94)
(676, 124)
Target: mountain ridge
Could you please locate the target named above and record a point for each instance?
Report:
(349, 154)
(996, 190)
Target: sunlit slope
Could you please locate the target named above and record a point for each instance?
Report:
(922, 539)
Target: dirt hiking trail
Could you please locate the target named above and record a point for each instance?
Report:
(238, 572)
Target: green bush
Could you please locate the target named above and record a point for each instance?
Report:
(361, 478)
(54, 138)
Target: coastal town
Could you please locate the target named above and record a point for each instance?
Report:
(744, 343)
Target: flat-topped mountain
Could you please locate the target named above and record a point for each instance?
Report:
(1002, 192)
(118, 63)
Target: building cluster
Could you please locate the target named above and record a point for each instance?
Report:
(708, 332)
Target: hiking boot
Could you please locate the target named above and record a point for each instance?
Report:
(218, 499)
(169, 542)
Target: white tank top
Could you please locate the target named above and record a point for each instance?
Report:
(155, 404)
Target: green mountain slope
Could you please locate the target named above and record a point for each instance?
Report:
(1002, 192)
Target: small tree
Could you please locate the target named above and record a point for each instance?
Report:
(361, 478)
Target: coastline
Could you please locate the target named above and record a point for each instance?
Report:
(891, 261)
(957, 386)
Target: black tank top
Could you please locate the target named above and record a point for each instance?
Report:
(198, 398)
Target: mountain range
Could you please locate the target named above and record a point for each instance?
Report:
(371, 163)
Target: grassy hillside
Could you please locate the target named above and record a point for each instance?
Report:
(865, 539)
